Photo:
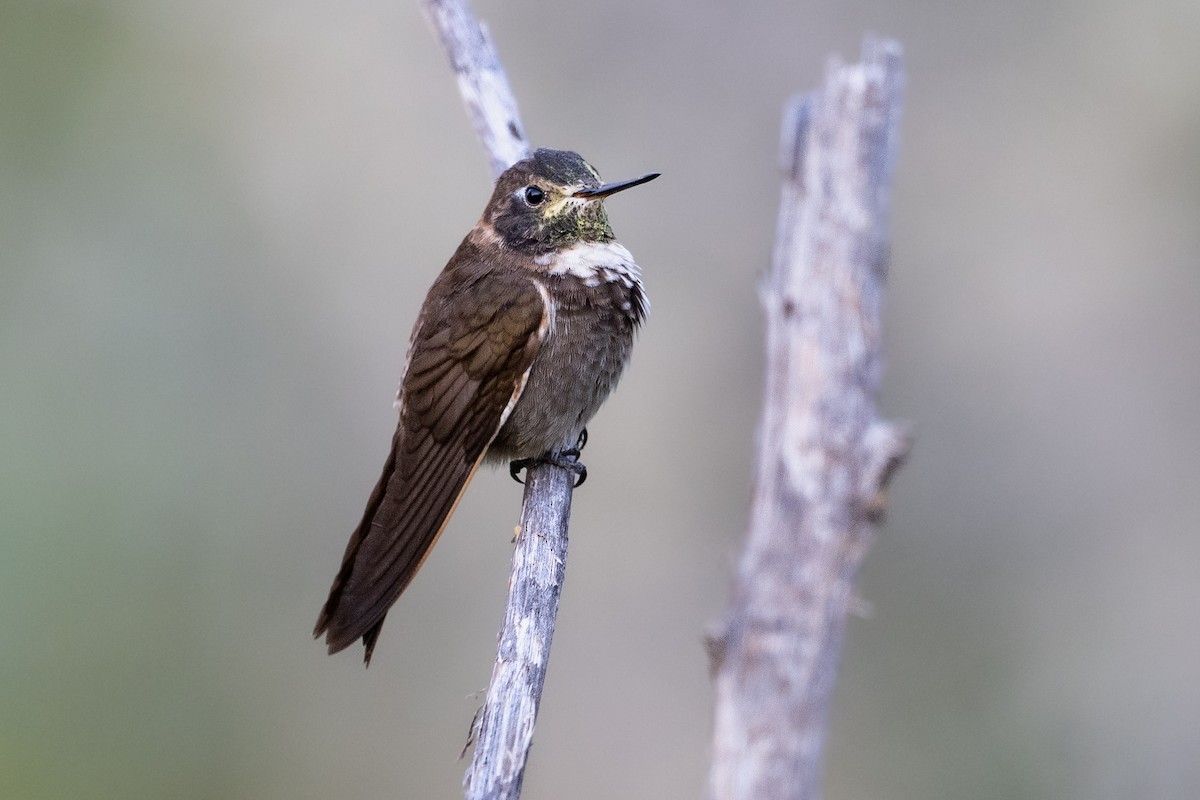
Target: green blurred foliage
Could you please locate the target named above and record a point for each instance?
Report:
(217, 221)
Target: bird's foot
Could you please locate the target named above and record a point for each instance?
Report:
(567, 459)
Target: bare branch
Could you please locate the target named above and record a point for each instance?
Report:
(824, 457)
(505, 724)
(539, 564)
(481, 82)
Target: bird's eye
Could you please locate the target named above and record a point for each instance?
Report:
(534, 196)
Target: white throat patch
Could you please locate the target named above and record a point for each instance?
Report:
(593, 263)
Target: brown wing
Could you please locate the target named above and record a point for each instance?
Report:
(467, 367)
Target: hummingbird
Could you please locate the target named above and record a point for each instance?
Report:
(521, 338)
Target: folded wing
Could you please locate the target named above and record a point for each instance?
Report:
(468, 364)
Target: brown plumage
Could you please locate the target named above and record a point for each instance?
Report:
(520, 339)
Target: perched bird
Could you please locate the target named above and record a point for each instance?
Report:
(520, 339)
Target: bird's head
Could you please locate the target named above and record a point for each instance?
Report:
(552, 200)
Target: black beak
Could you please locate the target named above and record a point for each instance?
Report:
(613, 188)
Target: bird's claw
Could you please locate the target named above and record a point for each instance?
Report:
(567, 459)
(515, 467)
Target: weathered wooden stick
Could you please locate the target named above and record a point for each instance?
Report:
(824, 457)
(539, 565)
(505, 723)
(481, 82)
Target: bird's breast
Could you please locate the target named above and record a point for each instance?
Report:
(598, 304)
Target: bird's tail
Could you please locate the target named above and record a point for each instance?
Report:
(421, 485)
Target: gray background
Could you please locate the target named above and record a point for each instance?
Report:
(217, 221)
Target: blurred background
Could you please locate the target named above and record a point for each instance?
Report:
(217, 222)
